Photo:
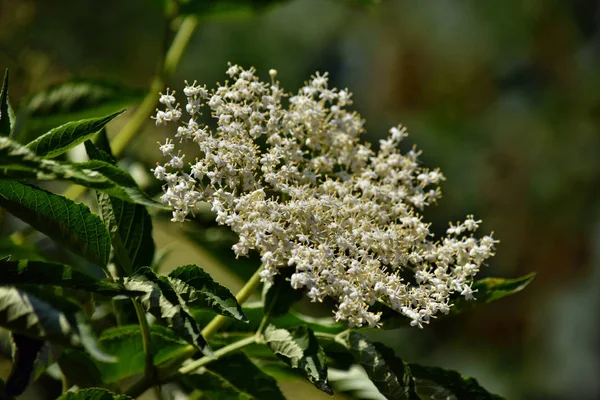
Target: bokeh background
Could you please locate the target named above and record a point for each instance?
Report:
(503, 96)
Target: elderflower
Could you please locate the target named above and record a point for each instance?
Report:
(296, 184)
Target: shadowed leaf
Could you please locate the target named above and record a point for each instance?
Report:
(234, 377)
(300, 349)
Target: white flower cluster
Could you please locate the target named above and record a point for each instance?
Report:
(289, 175)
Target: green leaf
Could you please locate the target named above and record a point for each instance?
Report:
(81, 369)
(74, 100)
(5, 120)
(213, 8)
(390, 374)
(300, 349)
(25, 272)
(126, 343)
(488, 290)
(69, 223)
(25, 353)
(93, 394)
(19, 162)
(279, 296)
(10, 248)
(439, 383)
(162, 301)
(44, 316)
(354, 383)
(199, 290)
(234, 377)
(129, 225)
(60, 139)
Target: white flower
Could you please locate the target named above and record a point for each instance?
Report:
(314, 198)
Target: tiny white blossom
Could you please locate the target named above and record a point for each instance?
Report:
(314, 198)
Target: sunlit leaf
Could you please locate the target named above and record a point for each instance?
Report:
(300, 349)
(64, 137)
(199, 290)
(71, 224)
(354, 383)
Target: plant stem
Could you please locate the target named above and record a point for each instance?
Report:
(215, 324)
(149, 370)
(194, 365)
(144, 110)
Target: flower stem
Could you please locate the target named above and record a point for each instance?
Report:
(149, 370)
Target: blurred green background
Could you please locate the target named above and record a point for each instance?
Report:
(503, 96)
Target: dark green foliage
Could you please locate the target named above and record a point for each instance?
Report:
(19, 273)
(45, 316)
(125, 342)
(300, 349)
(434, 383)
(18, 162)
(234, 377)
(25, 353)
(162, 301)
(279, 296)
(128, 224)
(72, 101)
(199, 290)
(70, 224)
(391, 375)
(219, 8)
(6, 119)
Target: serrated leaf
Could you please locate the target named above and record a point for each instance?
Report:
(19, 162)
(234, 377)
(25, 352)
(488, 290)
(433, 383)
(93, 394)
(199, 290)
(5, 121)
(60, 139)
(126, 343)
(219, 8)
(389, 374)
(129, 225)
(44, 316)
(279, 296)
(71, 224)
(300, 349)
(25, 272)
(162, 301)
